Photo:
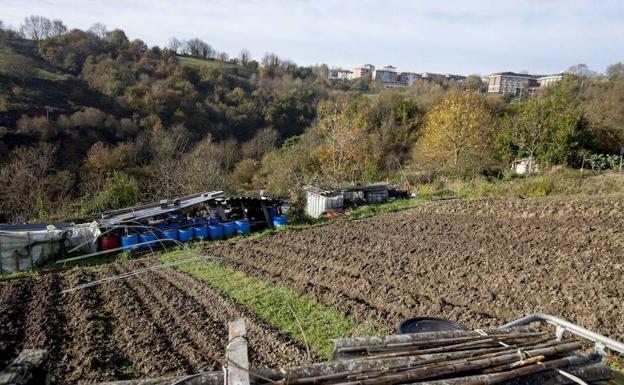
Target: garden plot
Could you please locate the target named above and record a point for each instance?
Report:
(481, 263)
(161, 323)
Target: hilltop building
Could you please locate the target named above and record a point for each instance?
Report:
(519, 84)
(363, 71)
(340, 74)
(407, 78)
(511, 83)
(386, 75)
(549, 80)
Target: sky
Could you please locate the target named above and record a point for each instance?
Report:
(444, 36)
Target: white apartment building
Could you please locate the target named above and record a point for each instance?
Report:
(549, 80)
(363, 71)
(340, 74)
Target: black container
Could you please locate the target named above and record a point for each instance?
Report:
(428, 324)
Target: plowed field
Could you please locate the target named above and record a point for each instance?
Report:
(482, 263)
(160, 323)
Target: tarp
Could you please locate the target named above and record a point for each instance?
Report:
(22, 248)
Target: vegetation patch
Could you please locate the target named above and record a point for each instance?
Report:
(305, 319)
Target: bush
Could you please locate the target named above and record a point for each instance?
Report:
(540, 186)
(119, 191)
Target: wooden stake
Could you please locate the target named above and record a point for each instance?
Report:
(236, 352)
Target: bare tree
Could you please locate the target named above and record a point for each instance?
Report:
(175, 45)
(99, 30)
(581, 70)
(57, 28)
(615, 70)
(244, 56)
(270, 60)
(263, 142)
(36, 27)
(29, 182)
(198, 48)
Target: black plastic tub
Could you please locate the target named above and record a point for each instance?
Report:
(428, 324)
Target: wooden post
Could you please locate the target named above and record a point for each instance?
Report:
(236, 353)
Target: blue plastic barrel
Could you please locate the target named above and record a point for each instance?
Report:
(229, 229)
(200, 232)
(214, 221)
(201, 221)
(128, 242)
(149, 238)
(185, 235)
(170, 234)
(215, 231)
(242, 226)
(280, 220)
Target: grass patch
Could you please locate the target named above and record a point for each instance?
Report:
(276, 303)
(212, 63)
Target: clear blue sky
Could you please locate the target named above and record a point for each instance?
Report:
(449, 36)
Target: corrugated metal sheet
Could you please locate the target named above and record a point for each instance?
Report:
(142, 212)
(317, 204)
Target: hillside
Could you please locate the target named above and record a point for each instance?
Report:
(46, 90)
(213, 63)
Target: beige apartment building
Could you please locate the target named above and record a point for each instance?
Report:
(363, 71)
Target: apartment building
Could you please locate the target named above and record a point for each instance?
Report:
(511, 83)
(407, 78)
(440, 78)
(363, 71)
(388, 74)
(549, 80)
(340, 74)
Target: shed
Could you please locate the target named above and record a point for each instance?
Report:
(375, 193)
(319, 201)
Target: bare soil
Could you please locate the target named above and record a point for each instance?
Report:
(482, 263)
(156, 324)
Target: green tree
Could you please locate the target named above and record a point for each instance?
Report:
(119, 191)
(544, 129)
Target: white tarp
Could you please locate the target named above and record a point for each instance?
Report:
(21, 250)
(84, 235)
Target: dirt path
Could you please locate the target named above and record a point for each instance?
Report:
(481, 263)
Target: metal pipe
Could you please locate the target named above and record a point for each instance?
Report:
(563, 325)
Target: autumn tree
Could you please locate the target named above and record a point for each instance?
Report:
(18, 66)
(458, 136)
(347, 149)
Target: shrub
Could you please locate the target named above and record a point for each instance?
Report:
(119, 191)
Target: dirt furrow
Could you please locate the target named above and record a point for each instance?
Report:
(268, 346)
(144, 343)
(14, 298)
